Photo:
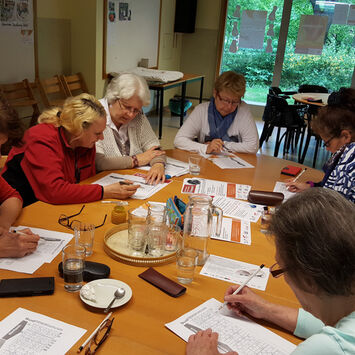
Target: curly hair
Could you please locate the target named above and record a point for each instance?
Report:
(338, 115)
(231, 81)
(10, 124)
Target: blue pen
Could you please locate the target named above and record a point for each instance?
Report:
(167, 177)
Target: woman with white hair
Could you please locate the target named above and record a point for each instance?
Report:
(129, 140)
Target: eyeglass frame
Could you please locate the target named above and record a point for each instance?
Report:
(276, 273)
(63, 217)
(107, 324)
(226, 101)
(130, 109)
(327, 143)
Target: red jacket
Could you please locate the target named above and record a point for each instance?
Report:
(46, 168)
(6, 191)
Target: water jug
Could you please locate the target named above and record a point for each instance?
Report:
(198, 224)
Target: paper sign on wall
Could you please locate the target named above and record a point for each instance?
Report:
(252, 29)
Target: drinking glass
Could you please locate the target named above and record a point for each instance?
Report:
(194, 164)
(186, 260)
(84, 234)
(73, 266)
(137, 233)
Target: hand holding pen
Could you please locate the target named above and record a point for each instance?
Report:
(294, 186)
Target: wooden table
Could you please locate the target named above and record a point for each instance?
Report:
(302, 97)
(160, 88)
(139, 325)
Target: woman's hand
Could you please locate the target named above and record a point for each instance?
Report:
(246, 302)
(297, 186)
(204, 343)
(146, 157)
(156, 174)
(119, 191)
(15, 245)
(215, 146)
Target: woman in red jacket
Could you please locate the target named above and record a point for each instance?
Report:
(58, 153)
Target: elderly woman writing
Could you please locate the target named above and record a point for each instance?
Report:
(223, 123)
(315, 252)
(335, 123)
(58, 153)
(129, 140)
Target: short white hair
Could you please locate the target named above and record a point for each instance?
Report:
(127, 85)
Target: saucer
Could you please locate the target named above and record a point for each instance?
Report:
(104, 292)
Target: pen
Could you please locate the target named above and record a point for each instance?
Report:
(93, 333)
(237, 161)
(297, 177)
(243, 284)
(44, 238)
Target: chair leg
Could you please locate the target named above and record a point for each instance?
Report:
(309, 135)
(264, 134)
(316, 152)
(278, 142)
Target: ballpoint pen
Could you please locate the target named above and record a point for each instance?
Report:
(243, 284)
(297, 177)
(237, 161)
(49, 239)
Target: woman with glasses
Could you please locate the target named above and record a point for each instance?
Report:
(315, 252)
(335, 124)
(224, 123)
(58, 153)
(12, 244)
(129, 140)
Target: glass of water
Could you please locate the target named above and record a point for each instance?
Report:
(194, 164)
(73, 266)
(186, 260)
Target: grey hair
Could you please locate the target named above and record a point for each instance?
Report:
(315, 240)
(126, 86)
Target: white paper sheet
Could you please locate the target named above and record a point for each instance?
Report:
(36, 334)
(238, 334)
(144, 191)
(252, 29)
(340, 15)
(45, 252)
(235, 271)
(233, 230)
(281, 187)
(311, 33)
(238, 209)
(173, 167)
(231, 163)
(215, 188)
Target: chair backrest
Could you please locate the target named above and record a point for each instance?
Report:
(52, 91)
(274, 90)
(20, 95)
(312, 88)
(74, 84)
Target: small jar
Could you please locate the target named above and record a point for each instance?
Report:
(118, 215)
(265, 220)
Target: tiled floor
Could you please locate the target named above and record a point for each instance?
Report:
(171, 126)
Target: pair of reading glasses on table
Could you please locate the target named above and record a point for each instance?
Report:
(64, 220)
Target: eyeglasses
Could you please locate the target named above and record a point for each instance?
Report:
(101, 335)
(64, 220)
(130, 109)
(228, 102)
(276, 271)
(327, 143)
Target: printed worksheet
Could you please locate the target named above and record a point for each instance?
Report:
(235, 334)
(144, 191)
(235, 271)
(232, 162)
(173, 167)
(28, 333)
(215, 188)
(233, 230)
(49, 246)
(281, 187)
(238, 209)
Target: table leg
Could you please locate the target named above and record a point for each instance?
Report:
(183, 94)
(201, 89)
(161, 113)
(157, 102)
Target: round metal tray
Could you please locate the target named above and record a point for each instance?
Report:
(115, 245)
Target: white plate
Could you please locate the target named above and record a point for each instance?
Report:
(104, 293)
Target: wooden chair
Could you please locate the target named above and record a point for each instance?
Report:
(20, 95)
(74, 84)
(52, 91)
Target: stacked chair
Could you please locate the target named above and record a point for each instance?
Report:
(278, 113)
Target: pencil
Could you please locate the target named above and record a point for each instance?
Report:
(93, 333)
(243, 284)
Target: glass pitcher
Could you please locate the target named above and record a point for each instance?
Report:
(198, 218)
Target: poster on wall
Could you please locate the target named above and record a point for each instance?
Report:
(311, 34)
(16, 13)
(252, 29)
(124, 11)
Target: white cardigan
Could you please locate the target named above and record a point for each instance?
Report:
(141, 138)
(196, 126)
